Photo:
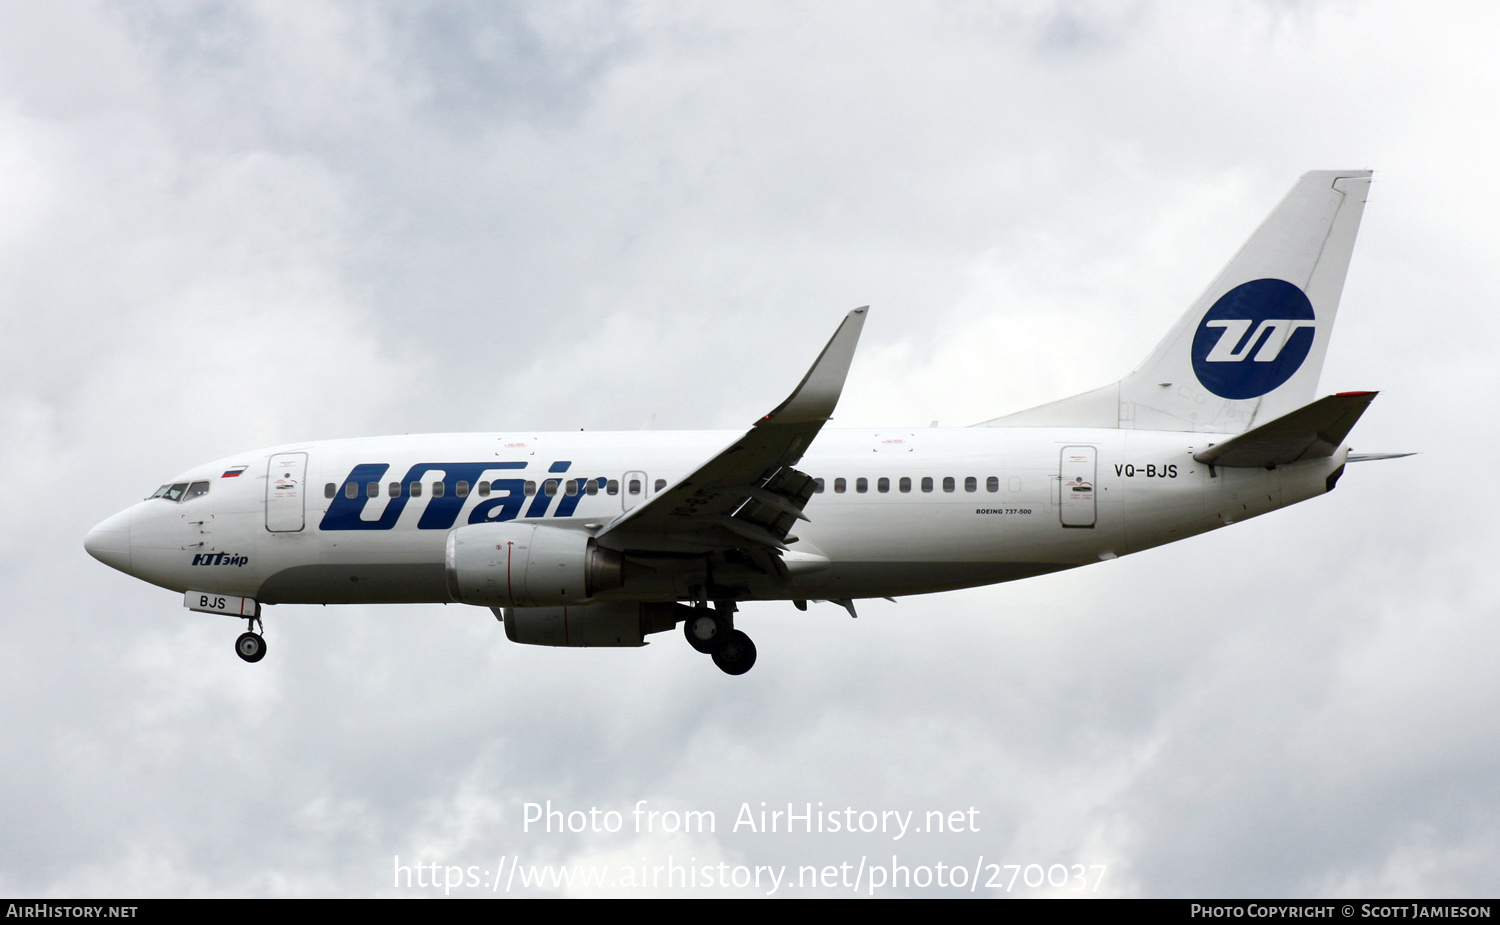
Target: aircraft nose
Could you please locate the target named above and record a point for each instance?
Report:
(110, 542)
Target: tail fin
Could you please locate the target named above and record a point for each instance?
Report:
(1252, 346)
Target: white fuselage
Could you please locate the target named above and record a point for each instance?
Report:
(919, 511)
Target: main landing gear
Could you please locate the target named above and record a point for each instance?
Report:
(736, 654)
(712, 632)
(251, 646)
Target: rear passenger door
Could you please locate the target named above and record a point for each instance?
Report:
(1076, 503)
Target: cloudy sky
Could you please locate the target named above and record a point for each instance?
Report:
(230, 225)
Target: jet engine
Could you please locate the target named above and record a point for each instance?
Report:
(528, 565)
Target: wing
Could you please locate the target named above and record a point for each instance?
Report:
(749, 495)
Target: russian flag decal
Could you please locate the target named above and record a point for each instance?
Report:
(233, 473)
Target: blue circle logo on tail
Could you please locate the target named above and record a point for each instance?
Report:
(1253, 339)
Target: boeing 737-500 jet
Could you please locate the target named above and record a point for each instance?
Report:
(602, 539)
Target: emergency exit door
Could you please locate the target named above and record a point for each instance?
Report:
(632, 489)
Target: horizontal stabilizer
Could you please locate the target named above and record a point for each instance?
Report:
(1371, 457)
(1313, 431)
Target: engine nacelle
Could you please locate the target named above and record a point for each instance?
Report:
(528, 565)
(607, 623)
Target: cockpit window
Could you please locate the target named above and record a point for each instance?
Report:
(181, 491)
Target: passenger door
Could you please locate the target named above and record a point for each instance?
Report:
(286, 478)
(1076, 497)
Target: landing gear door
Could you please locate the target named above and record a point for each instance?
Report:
(632, 489)
(1076, 502)
(286, 488)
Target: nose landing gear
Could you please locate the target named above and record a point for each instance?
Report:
(251, 646)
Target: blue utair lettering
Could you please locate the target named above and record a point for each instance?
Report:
(1278, 319)
(442, 510)
(344, 513)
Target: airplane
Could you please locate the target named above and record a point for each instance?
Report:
(603, 539)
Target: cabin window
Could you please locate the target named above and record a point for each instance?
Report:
(840, 486)
(571, 489)
(612, 487)
(484, 489)
(660, 484)
(194, 490)
(439, 489)
(393, 490)
(461, 489)
(861, 484)
(592, 486)
(883, 486)
(927, 483)
(329, 490)
(817, 486)
(948, 483)
(971, 484)
(372, 489)
(415, 488)
(905, 484)
(351, 491)
(633, 486)
(992, 483)
(550, 488)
